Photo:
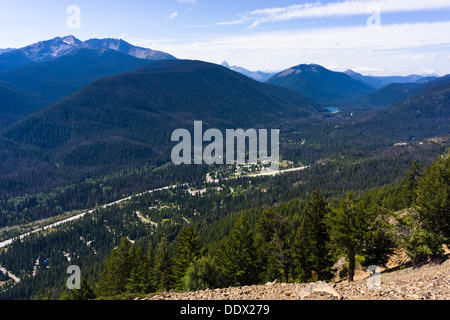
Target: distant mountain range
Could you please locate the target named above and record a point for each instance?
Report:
(332, 88)
(395, 92)
(56, 78)
(320, 84)
(124, 47)
(60, 46)
(256, 75)
(6, 50)
(423, 114)
(379, 82)
(45, 72)
(127, 119)
(72, 109)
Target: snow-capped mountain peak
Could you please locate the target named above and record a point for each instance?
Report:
(60, 46)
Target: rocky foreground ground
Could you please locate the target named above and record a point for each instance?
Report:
(427, 282)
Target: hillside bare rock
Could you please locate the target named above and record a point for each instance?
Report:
(427, 282)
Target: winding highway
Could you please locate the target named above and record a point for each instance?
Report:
(6, 243)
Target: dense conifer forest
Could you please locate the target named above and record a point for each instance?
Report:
(371, 182)
(243, 231)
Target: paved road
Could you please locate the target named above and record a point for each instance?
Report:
(268, 172)
(272, 173)
(78, 216)
(16, 279)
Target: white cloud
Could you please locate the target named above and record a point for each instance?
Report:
(343, 8)
(391, 49)
(187, 1)
(172, 15)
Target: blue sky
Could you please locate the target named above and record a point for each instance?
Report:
(379, 37)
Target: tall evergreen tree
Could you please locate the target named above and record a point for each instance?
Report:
(116, 270)
(347, 230)
(429, 221)
(187, 249)
(312, 257)
(136, 281)
(433, 197)
(360, 229)
(147, 273)
(240, 258)
(273, 241)
(162, 271)
(409, 184)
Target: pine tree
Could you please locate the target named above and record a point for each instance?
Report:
(409, 184)
(147, 273)
(347, 230)
(312, 257)
(273, 242)
(187, 250)
(116, 270)
(433, 198)
(360, 229)
(240, 258)
(162, 272)
(135, 283)
(380, 241)
(429, 220)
